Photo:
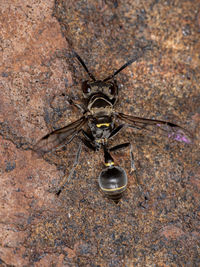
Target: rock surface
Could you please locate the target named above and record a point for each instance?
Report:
(37, 74)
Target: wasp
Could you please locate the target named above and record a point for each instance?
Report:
(99, 123)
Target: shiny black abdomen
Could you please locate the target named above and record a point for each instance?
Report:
(113, 181)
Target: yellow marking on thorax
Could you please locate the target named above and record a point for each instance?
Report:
(102, 124)
(108, 164)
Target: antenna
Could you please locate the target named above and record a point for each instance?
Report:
(135, 58)
(143, 49)
(122, 67)
(84, 66)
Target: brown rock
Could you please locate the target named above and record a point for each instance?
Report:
(155, 226)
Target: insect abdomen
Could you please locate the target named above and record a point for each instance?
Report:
(113, 182)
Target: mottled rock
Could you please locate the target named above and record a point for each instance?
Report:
(157, 225)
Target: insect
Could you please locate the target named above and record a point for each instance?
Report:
(99, 123)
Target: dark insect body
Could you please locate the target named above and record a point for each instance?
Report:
(104, 122)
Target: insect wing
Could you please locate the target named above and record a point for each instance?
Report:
(165, 128)
(58, 137)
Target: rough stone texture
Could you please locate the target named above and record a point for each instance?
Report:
(82, 227)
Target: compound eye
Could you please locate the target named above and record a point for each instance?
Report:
(86, 88)
(112, 89)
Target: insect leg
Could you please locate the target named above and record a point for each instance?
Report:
(65, 180)
(87, 140)
(133, 168)
(88, 144)
(118, 147)
(88, 136)
(80, 107)
(116, 130)
(123, 146)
